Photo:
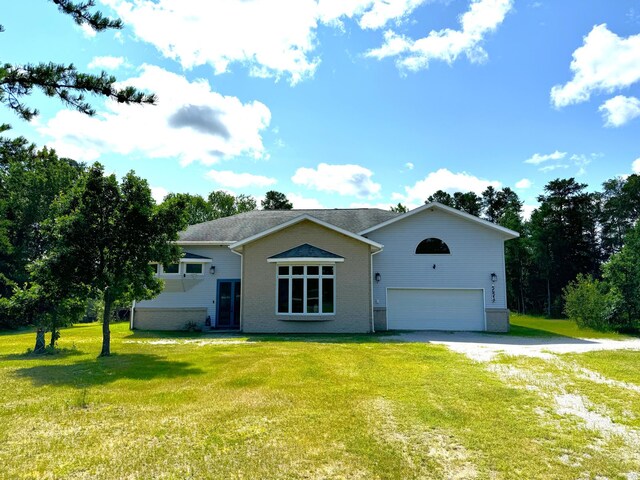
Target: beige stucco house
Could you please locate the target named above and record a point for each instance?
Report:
(335, 270)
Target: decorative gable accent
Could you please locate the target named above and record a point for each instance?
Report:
(305, 252)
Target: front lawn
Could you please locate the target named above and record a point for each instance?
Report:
(204, 406)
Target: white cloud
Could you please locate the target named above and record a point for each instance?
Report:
(482, 18)
(409, 166)
(190, 123)
(272, 41)
(87, 31)
(619, 110)
(158, 194)
(231, 179)
(108, 62)
(301, 202)
(635, 166)
(523, 184)
(527, 210)
(604, 63)
(539, 158)
(342, 179)
(446, 180)
(551, 168)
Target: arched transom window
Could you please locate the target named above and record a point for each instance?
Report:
(432, 246)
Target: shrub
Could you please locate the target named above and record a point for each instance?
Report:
(588, 303)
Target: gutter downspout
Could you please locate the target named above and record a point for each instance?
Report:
(371, 280)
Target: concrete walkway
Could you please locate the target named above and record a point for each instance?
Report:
(484, 346)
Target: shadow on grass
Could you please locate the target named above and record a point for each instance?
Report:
(134, 366)
(56, 354)
(260, 337)
(520, 331)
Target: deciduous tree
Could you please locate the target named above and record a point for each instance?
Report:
(104, 236)
(276, 201)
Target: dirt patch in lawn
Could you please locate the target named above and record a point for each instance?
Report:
(425, 451)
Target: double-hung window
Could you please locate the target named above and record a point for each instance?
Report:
(306, 289)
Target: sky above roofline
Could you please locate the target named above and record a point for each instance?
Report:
(364, 103)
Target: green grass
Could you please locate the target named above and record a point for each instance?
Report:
(351, 406)
(537, 326)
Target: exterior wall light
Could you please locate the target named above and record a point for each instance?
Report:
(212, 269)
(494, 277)
(378, 277)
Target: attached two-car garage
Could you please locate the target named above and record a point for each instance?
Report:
(435, 309)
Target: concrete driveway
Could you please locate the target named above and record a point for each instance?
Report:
(485, 346)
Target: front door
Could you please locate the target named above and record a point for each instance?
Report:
(228, 311)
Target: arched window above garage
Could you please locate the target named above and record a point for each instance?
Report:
(432, 246)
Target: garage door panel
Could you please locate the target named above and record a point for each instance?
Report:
(435, 309)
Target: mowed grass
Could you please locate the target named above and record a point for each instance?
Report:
(538, 326)
(200, 406)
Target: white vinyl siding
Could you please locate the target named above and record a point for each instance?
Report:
(201, 290)
(435, 309)
(476, 252)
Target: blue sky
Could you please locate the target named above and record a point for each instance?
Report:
(348, 103)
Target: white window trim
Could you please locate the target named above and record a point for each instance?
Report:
(304, 276)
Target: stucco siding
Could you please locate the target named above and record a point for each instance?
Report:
(200, 291)
(476, 252)
(353, 290)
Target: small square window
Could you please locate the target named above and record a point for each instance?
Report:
(313, 270)
(283, 270)
(299, 270)
(327, 270)
(172, 268)
(194, 268)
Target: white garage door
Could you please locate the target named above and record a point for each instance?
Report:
(435, 309)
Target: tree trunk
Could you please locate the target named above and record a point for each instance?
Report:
(54, 333)
(106, 333)
(40, 343)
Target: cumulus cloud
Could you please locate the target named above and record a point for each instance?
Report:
(604, 63)
(482, 18)
(302, 202)
(158, 193)
(635, 166)
(539, 158)
(446, 180)
(231, 179)
(409, 166)
(523, 184)
(190, 123)
(107, 62)
(341, 179)
(271, 42)
(619, 110)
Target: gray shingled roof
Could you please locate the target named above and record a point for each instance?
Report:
(243, 225)
(306, 251)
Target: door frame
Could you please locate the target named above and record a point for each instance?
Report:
(235, 283)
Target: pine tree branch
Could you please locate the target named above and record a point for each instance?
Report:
(82, 15)
(63, 82)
